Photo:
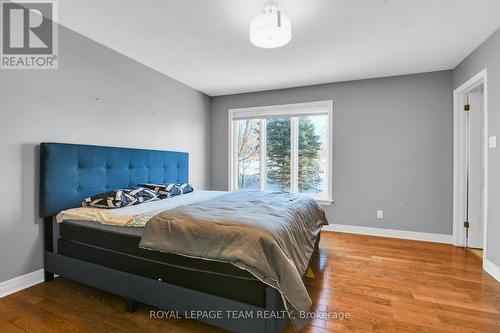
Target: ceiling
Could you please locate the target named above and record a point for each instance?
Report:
(205, 43)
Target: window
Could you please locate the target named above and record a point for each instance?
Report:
(284, 148)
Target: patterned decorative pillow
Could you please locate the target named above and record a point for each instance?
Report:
(169, 190)
(120, 198)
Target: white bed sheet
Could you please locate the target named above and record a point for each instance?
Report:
(134, 216)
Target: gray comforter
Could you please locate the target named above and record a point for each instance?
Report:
(271, 235)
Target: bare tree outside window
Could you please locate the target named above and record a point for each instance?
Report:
(248, 149)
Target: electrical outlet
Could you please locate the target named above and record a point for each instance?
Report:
(492, 142)
(380, 214)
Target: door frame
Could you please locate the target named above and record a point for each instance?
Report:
(459, 172)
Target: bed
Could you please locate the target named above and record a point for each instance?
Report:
(109, 257)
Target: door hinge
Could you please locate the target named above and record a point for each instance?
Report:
(466, 224)
(467, 107)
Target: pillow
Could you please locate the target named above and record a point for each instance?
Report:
(169, 190)
(120, 198)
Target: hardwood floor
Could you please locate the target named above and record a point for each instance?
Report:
(386, 285)
(477, 252)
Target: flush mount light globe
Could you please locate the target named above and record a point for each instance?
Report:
(271, 29)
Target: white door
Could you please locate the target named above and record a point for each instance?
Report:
(475, 168)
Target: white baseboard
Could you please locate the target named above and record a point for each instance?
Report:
(392, 233)
(491, 269)
(21, 282)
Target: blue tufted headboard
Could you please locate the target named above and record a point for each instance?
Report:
(70, 172)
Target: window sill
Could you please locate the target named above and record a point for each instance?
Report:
(321, 201)
(324, 202)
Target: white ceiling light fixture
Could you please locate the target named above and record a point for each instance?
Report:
(271, 29)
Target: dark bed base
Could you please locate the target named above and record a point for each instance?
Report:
(122, 253)
(167, 296)
(163, 295)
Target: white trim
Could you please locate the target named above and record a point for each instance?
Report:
(459, 158)
(318, 107)
(491, 269)
(294, 151)
(230, 151)
(392, 233)
(324, 202)
(21, 282)
(310, 108)
(263, 154)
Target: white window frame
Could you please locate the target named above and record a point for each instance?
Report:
(289, 110)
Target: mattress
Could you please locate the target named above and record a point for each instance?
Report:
(118, 247)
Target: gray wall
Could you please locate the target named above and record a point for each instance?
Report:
(488, 56)
(97, 96)
(392, 148)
